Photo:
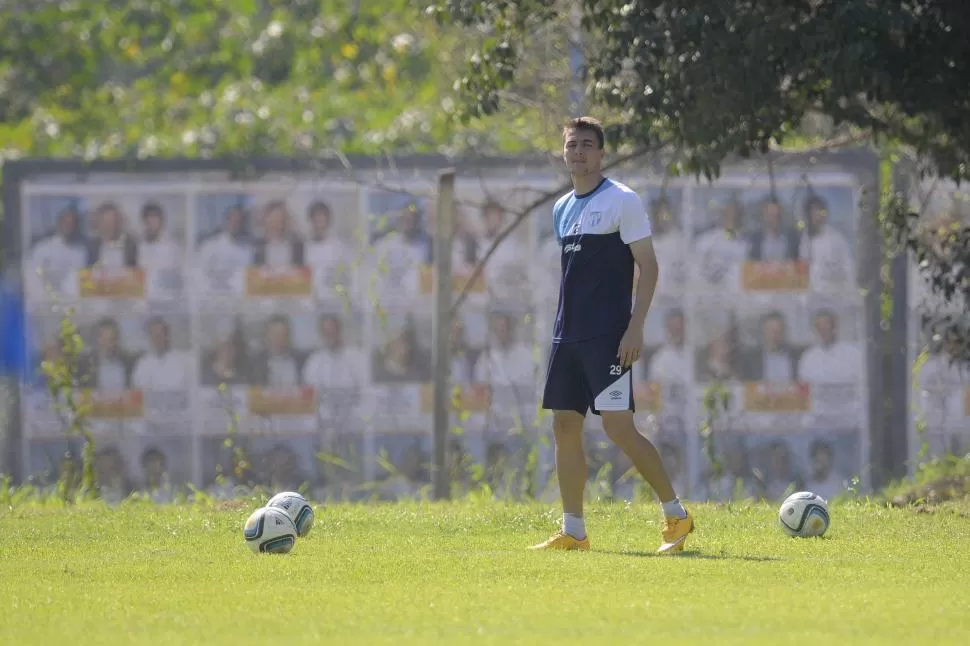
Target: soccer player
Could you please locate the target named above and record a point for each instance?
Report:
(598, 334)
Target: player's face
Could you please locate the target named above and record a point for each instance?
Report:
(234, 222)
(159, 337)
(226, 353)
(67, 224)
(493, 221)
(154, 470)
(675, 329)
(774, 333)
(399, 349)
(771, 217)
(153, 225)
(825, 327)
(108, 465)
(330, 332)
(107, 339)
(320, 221)
(582, 152)
(720, 349)
(407, 221)
(664, 219)
(821, 464)
(110, 224)
(275, 223)
(730, 218)
(817, 215)
(278, 338)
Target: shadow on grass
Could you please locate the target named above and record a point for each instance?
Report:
(692, 554)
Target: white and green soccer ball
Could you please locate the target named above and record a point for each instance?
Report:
(296, 508)
(804, 515)
(269, 530)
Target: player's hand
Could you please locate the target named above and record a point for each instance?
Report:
(630, 346)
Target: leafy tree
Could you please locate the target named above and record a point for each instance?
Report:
(110, 78)
(722, 77)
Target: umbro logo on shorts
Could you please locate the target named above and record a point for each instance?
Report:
(616, 394)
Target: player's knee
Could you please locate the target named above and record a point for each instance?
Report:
(567, 425)
(619, 427)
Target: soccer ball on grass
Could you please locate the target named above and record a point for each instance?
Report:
(270, 531)
(297, 508)
(804, 515)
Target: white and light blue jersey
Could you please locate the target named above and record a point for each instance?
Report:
(596, 287)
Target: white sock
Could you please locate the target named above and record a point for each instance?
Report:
(574, 525)
(674, 508)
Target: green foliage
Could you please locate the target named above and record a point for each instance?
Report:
(719, 78)
(219, 77)
(64, 383)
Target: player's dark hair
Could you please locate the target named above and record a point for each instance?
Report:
(278, 318)
(152, 453)
(107, 321)
(829, 313)
(151, 208)
(821, 446)
(156, 320)
(586, 123)
(318, 206)
(773, 314)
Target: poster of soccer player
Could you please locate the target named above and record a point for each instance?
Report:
(97, 243)
(401, 246)
(303, 242)
(665, 206)
(512, 372)
(795, 235)
(224, 240)
(939, 398)
(282, 462)
(488, 210)
(162, 465)
(56, 247)
(135, 372)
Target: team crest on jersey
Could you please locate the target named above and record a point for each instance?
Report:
(595, 218)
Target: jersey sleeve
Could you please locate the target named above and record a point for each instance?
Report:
(634, 219)
(556, 216)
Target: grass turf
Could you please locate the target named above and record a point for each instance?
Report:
(419, 574)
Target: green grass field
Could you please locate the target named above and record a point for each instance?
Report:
(457, 573)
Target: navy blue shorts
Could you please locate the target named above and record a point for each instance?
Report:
(584, 375)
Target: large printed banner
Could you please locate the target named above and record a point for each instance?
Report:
(295, 318)
(939, 421)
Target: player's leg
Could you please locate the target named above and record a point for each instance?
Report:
(612, 398)
(565, 395)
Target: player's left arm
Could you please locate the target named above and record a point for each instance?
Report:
(636, 232)
(646, 258)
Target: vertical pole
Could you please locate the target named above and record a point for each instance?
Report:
(577, 62)
(441, 329)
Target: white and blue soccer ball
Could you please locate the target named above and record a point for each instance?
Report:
(297, 508)
(804, 514)
(270, 531)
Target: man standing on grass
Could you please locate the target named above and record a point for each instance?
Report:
(603, 230)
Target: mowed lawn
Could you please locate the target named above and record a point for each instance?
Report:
(458, 573)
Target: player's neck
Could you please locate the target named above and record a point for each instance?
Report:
(583, 184)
